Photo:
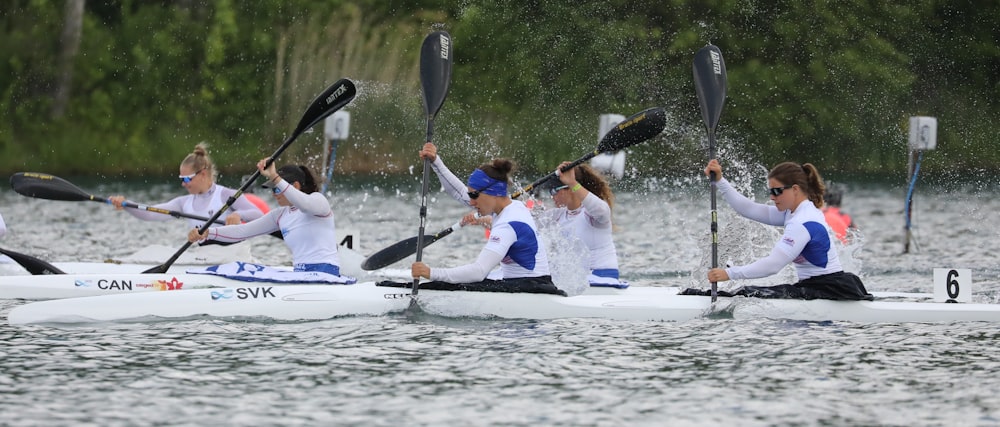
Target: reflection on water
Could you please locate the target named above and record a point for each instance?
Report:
(425, 370)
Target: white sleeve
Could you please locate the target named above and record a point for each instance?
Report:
(452, 184)
(759, 212)
(239, 232)
(3, 226)
(313, 203)
(598, 211)
(469, 273)
(783, 253)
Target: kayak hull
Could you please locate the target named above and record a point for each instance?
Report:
(319, 302)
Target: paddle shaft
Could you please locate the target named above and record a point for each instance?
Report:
(554, 175)
(715, 216)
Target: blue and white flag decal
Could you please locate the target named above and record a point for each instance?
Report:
(249, 272)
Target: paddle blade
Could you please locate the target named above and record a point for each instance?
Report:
(633, 130)
(710, 83)
(45, 186)
(402, 249)
(33, 265)
(332, 99)
(394, 253)
(435, 70)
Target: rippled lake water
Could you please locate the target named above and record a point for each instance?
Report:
(417, 369)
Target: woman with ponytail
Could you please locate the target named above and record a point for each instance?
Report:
(797, 192)
(197, 175)
(303, 216)
(514, 243)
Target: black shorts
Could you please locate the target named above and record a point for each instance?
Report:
(529, 285)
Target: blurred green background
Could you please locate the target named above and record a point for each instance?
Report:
(127, 88)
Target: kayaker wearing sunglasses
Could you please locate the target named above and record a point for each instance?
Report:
(204, 198)
(807, 243)
(514, 243)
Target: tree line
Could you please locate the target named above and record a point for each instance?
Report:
(128, 87)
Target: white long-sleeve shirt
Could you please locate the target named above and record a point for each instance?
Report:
(204, 204)
(514, 244)
(806, 240)
(307, 225)
(591, 223)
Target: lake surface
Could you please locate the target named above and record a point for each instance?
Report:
(418, 369)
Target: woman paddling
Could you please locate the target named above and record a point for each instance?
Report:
(583, 201)
(797, 193)
(514, 243)
(197, 175)
(304, 218)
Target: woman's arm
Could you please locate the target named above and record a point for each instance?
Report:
(239, 232)
(759, 212)
(469, 273)
(452, 184)
(783, 253)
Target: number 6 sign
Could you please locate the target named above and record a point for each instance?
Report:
(952, 285)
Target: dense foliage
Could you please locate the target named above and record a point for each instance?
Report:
(832, 83)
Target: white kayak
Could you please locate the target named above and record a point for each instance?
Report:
(154, 255)
(318, 302)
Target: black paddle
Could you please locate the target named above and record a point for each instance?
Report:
(51, 187)
(435, 78)
(32, 264)
(710, 83)
(332, 99)
(633, 130)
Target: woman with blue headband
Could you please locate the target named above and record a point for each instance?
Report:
(514, 243)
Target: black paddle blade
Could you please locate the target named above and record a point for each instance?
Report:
(435, 70)
(332, 99)
(33, 265)
(401, 249)
(710, 83)
(635, 129)
(45, 186)
(394, 253)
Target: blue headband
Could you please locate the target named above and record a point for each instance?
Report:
(479, 180)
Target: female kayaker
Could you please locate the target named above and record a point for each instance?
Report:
(304, 218)
(583, 208)
(797, 193)
(204, 198)
(514, 243)
(583, 201)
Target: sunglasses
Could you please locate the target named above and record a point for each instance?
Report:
(777, 191)
(475, 194)
(554, 190)
(276, 191)
(186, 179)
